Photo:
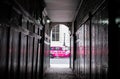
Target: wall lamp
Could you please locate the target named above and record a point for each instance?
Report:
(48, 19)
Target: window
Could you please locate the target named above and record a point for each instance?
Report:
(55, 33)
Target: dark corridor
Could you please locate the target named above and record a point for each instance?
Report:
(25, 27)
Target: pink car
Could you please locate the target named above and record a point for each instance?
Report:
(59, 52)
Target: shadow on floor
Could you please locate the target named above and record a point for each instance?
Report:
(59, 73)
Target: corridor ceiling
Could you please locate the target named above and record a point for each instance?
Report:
(61, 10)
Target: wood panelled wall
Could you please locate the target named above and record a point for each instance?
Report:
(91, 43)
(21, 48)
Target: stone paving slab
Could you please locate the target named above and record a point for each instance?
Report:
(59, 73)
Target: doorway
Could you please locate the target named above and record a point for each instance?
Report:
(60, 47)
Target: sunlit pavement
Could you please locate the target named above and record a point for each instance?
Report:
(59, 62)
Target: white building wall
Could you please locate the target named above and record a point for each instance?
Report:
(63, 30)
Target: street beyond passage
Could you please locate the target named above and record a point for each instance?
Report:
(59, 62)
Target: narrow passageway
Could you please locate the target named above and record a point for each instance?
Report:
(34, 44)
(59, 73)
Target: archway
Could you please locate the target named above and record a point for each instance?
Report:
(60, 46)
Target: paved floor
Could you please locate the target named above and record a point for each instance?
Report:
(59, 73)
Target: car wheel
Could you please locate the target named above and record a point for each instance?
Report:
(51, 56)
